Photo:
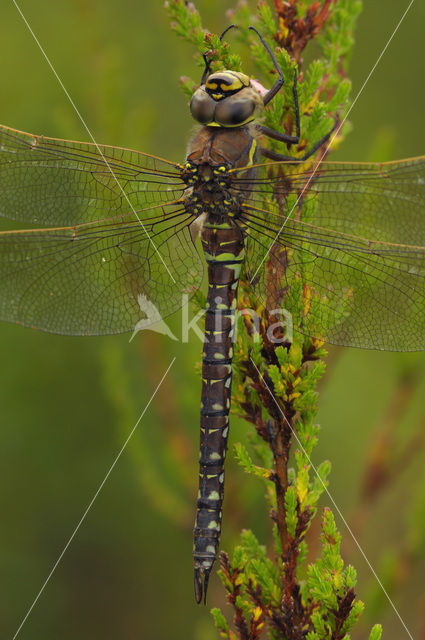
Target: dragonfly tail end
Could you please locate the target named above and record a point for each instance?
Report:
(201, 578)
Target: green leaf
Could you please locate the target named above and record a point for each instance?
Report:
(245, 461)
(350, 576)
(302, 485)
(353, 616)
(320, 482)
(220, 622)
(267, 20)
(376, 632)
(291, 515)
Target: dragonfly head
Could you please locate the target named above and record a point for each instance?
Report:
(227, 99)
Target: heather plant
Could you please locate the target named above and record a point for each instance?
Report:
(276, 592)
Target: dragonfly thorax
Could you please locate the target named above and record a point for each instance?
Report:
(209, 190)
(212, 156)
(227, 99)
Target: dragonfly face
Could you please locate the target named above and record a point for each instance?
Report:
(227, 99)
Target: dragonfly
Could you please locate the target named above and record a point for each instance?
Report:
(114, 226)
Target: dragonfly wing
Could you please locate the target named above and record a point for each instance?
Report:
(48, 181)
(346, 260)
(376, 201)
(99, 278)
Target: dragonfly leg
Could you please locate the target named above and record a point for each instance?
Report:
(277, 135)
(274, 155)
(280, 81)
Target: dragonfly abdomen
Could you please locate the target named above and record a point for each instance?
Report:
(224, 252)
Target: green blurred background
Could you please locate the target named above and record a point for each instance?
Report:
(67, 405)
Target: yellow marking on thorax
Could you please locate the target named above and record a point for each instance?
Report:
(252, 152)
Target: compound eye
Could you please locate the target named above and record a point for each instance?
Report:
(235, 110)
(202, 106)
